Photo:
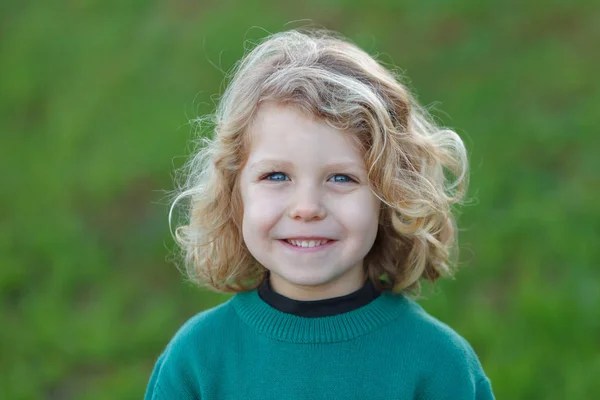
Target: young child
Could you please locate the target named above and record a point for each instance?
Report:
(321, 201)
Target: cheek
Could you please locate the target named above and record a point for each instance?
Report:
(361, 215)
(260, 214)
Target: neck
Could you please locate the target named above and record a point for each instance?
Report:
(342, 286)
(319, 308)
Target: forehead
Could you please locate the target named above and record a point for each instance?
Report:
(287, 131)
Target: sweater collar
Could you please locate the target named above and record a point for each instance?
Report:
(282, 326)
(318, 308)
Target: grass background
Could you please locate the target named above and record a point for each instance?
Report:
(95, 102)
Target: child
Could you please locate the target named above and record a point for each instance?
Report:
(322, 200)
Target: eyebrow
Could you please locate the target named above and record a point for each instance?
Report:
(284, 164)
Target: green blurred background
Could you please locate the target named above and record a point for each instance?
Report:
(95, 102)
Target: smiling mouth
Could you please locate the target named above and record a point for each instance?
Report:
(307, 243)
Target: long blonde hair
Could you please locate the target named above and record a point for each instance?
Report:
(417, 169)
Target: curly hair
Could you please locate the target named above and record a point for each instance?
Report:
(417, 169)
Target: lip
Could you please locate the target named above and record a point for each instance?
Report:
(308, 238)
(308, 249)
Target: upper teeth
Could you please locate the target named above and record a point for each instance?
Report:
(307, 243)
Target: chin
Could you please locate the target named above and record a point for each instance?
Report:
(308, 279)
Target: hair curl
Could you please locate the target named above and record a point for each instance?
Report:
(407, 156)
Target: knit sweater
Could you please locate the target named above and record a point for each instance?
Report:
(388, 349)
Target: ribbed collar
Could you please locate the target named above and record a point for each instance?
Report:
(318, 308)
(337, 328)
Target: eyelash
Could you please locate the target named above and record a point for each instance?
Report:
(267, 175)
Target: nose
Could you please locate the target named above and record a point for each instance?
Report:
(307, 205)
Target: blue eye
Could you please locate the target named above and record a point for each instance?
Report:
(281, 177)
(276, 176)
(344, 178)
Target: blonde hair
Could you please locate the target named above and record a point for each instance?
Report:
(407, 156)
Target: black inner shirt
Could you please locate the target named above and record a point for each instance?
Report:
(318, 308)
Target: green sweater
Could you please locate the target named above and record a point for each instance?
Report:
(388, 349)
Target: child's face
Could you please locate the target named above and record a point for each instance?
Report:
(306, 181)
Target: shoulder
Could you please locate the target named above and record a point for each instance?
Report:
(201, 325)
(187, 356)
(436, 336)
(446, 361)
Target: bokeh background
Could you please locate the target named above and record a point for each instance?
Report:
(95, 100)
